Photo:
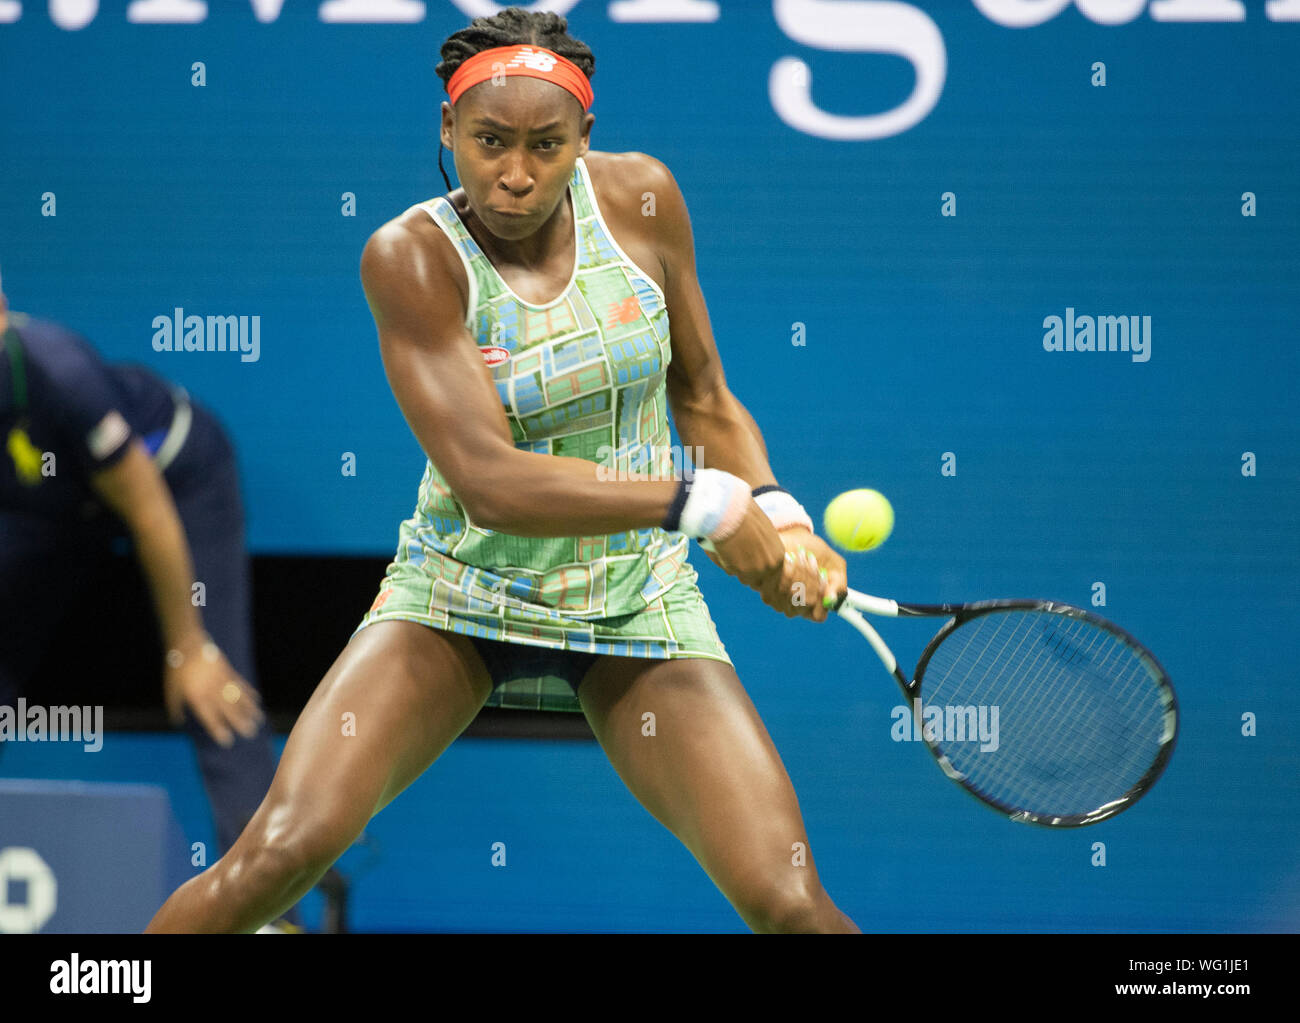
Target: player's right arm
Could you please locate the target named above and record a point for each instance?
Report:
(451, 404)
(445, 392)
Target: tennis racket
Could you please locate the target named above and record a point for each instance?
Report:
(1048, 713)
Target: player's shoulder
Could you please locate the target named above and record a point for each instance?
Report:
(640, 199)
(411, 249)
(628, 176)
(397, 239)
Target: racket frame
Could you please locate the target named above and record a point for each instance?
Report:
(853, 603)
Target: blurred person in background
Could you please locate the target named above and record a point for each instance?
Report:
(99, 456)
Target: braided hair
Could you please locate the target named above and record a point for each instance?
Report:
(512, 26)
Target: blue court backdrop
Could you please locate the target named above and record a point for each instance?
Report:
(890, 202)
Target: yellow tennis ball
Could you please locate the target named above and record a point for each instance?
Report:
(859, 520)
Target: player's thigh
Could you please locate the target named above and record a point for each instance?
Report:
(706, 768)
(395, 698)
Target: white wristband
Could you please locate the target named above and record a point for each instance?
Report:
(784, 510)
(715, 505)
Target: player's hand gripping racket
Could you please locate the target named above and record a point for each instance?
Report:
(1085, 716)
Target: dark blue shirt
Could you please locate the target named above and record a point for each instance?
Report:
(81, 416)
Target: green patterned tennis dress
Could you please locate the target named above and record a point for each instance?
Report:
(583, 377)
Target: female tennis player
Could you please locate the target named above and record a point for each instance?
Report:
(523, 321)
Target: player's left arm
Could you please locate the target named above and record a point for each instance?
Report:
(707, 415)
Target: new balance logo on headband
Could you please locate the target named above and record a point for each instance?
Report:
(538, 60)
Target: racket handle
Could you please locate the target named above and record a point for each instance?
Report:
(855, 600)
(850, 597)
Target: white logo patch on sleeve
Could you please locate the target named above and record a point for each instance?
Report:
(108, 436)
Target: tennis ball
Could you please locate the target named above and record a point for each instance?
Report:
(859, 520)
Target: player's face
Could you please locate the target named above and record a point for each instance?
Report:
(515, 144)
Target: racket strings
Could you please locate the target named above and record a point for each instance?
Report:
(1092, 720)
(1079, 713)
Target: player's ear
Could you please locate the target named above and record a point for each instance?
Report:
(447, 129)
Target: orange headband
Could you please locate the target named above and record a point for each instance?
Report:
(522, 59)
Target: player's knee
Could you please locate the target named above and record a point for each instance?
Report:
(789, 909)
(290, 859)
